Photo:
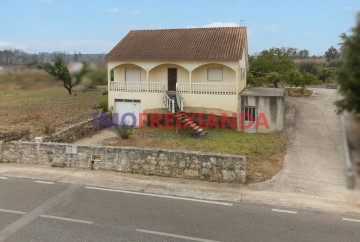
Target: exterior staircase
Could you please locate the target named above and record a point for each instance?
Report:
(174, 103)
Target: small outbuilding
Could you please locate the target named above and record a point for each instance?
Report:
(264, 109)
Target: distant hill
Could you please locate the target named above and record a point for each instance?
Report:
(19, 57)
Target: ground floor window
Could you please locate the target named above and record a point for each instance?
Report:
(251, 113)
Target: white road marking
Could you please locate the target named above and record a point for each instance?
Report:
(174, 235)
(3, 178)
(44, 182)
(11, 211)
(283, 211)
(156, 195)
(352, 220)
(67, 219)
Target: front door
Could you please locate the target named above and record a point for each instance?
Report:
(172, 78)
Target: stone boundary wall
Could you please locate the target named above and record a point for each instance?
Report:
(75, 132)
(146, 161)
(15, 135)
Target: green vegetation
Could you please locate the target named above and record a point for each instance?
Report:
(104, 104)
(218, 141)
(124, 131)
(59, 70)
(349, 72)
(264, 152)
(98, 77)
(274, 67)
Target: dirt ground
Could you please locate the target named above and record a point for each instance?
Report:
(32, 101)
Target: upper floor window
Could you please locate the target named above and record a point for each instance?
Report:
(112, 75)
(215, 74)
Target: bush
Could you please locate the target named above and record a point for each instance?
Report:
(105, 93)
(104, 105)
(49, 129)
(124, 131)
(98, 77)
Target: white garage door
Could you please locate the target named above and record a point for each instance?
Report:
(127, 111)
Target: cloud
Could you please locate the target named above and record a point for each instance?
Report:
(11, 45)
(352, 8)
(135, 12)
(215, 25)
(272, 28)
(114, 10)
(221, 24)
(86, 46)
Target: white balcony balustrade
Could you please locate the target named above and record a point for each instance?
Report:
(137, 86)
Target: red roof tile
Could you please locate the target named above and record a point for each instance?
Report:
(181, 44)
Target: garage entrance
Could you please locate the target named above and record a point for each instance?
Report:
(127, 110)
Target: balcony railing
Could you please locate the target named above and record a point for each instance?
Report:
(136, 86)
(208, 88)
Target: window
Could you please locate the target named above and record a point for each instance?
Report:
(112, 75)
(215, 74)
(250, 114)
(132, 74)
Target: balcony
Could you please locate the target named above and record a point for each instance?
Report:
(158, 87)
(207, 88)
(137, 86)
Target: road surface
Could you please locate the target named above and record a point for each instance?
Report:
(36, 210)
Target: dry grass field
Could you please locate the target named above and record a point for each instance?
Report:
(34, 100)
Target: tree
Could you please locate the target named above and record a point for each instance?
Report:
(292, 78)
(331, 54)
(349, 72)
(308, 66)
(272, 60)
(273, 77)
(305, 80)
(62, 73)
(304, 53)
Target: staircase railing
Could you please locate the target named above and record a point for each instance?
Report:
(168, 102)
(179, 99)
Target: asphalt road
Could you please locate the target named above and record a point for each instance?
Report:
(33, 210)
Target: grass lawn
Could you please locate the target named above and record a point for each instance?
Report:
(35, 108)
(264, 152)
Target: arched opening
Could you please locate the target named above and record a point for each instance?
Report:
(213, 73)
(128, 77)
(169, 75)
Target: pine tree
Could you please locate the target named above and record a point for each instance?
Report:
(349, 72)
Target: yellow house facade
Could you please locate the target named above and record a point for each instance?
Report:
(205, 68)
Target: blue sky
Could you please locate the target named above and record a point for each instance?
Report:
(95, 26)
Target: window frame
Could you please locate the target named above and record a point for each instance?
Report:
(215, 68)
(252, 110)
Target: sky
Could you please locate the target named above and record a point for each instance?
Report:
(95, 26)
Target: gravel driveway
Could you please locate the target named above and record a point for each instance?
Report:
(314, 161)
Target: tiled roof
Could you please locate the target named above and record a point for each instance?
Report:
(181, 44)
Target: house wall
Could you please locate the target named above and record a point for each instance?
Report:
(206, 103)
(242, 65)
(119, 72)
(160, 73)
(200, 74)
(272, 106)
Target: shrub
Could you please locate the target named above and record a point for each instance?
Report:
(98, 77)
(49, 129)
(105, 93)
(124, 131)
(104, 105)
